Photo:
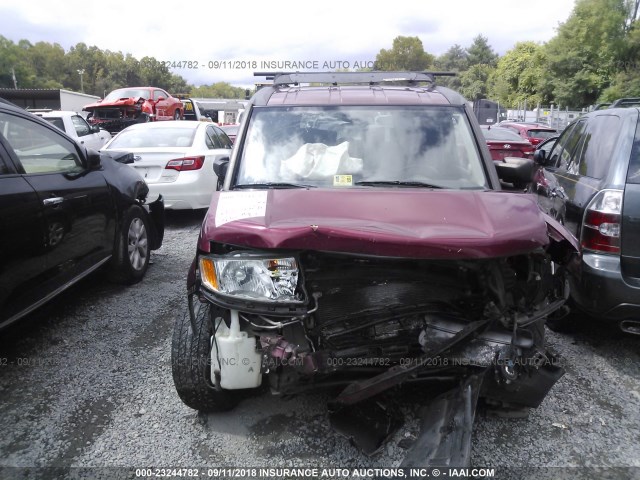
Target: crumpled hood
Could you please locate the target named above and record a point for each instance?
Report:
(122, 102)
(397, 222)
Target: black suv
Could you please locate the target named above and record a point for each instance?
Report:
(591, 183)
(64, 212)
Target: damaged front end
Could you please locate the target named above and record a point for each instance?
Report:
(365, 325)
(117, 115)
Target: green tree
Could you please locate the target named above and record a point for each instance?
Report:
(407, 53)
(14, 64)
(48, 63)
(453, 60)
(582, 57)
(518, 75)
(218, 90)
(481, 53)
(475, 81)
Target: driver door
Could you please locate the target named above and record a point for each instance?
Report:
(76, 214)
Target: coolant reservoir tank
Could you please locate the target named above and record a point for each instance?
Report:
(234, 355)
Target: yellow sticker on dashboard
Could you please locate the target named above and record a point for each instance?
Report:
(342, 180)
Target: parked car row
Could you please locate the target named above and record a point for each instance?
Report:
(350, 241)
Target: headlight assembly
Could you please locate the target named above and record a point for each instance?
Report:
(252, 276)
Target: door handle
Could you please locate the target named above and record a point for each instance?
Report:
(52, 201)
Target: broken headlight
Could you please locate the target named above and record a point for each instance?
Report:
(256, 277)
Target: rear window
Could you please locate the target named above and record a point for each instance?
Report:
(542, 134)
(55, 121)
(153, 137)
(341, 146)
(501, 134)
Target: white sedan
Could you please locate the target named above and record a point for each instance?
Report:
(175, 158)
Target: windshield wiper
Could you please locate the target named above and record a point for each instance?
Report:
(272, 185)
(373, 183)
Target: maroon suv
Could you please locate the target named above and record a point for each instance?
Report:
(361, 241)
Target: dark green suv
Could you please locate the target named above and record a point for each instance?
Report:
(591, 183)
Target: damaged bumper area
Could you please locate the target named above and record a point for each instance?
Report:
(116, 116)
(365, 325)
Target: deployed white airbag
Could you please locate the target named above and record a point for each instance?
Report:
(317, 161)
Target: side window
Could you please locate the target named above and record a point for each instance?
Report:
(224, 139)
(81, 126)
(212, 138)
(600, 140)
(557, 149)
(160, 93)
(569, 150)
(633, 174)
(565, 149)
(39, 149)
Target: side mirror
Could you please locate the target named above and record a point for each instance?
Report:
(94, 129)
(94, 161)
(120, 157)
(220, 166)
(540, 157)
(517, 171)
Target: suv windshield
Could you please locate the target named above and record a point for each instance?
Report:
(361, 145)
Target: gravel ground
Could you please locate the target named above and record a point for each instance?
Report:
(86, 382)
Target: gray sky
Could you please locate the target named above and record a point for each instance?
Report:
(227, 39)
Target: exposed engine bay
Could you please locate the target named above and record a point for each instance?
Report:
(366, 325)
(121, 114)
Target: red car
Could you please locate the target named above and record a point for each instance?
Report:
(533, 132)
(126, 106)
(504, 142)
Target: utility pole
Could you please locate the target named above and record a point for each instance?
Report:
(81, 72)
(13, 75)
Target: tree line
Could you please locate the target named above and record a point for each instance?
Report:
(92, 70)
(594, 57)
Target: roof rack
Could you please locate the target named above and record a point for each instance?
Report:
(626, 102)
(335, 78)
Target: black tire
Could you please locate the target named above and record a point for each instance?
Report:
(176, 115)
(191, 363)
(131, 253)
